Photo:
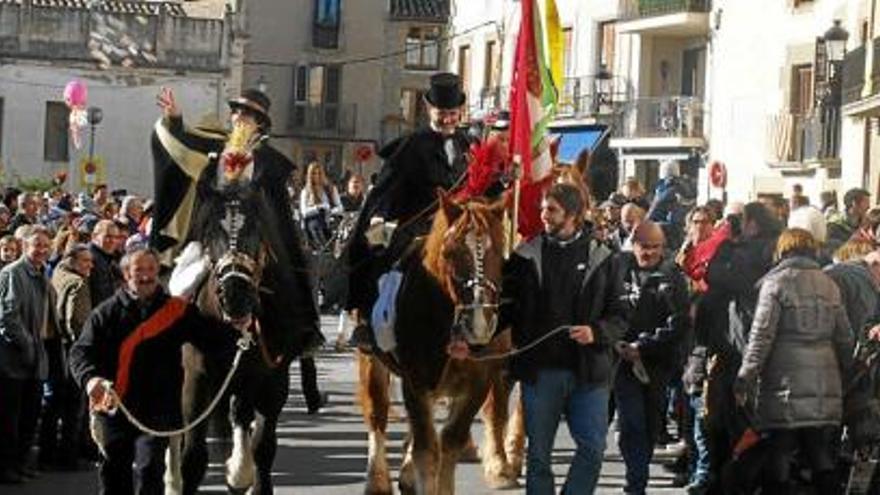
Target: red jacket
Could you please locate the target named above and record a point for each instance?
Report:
(697, 259)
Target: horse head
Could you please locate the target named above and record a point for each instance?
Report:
(464, 252)
(238, 253)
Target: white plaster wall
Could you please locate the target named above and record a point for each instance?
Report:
(122, 138)
(750, 74)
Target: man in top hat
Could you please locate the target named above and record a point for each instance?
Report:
(404, 197)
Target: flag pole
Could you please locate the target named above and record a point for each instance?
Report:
(517, 185)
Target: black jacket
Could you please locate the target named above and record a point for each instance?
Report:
(657, 305)
(156, 374)
(600, 306)
(415, 166)
(106, 277)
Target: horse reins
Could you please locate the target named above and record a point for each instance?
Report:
(520, 350)
(243, 344)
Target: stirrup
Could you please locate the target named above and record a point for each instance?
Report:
(360, 339)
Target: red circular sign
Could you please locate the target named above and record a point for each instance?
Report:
(363, 153)
(90, 168)
(717, 174)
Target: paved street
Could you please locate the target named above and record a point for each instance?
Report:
(326, 454)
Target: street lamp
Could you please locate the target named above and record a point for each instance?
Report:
(835, 42)
(831, 97)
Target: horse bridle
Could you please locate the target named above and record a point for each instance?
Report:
(480, 286)
(235, 263)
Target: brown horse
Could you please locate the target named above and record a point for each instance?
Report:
(451, 290)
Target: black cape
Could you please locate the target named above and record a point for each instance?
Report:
(405, 192)
(185, 167)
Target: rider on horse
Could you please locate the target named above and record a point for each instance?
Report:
(190, 164)
(404, 197)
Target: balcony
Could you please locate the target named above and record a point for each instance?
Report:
(661, 122)
(588, 96)
(796, 140)
(665, 17)
(855, 103)
(337, 120)
(493, 98)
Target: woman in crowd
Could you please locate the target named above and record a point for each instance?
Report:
(317, 201)
(799, 319)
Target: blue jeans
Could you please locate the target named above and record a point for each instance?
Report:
(701, 467)
(634, 416)
(553, 393)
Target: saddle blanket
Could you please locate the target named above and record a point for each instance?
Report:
(385, 310)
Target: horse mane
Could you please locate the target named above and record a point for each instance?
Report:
(475, 211)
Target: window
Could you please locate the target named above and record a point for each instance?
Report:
(412, 107)
(55, 148)
(492, 67)
(422, 48)
(802, 89)
(607, 34)
(325, 30)
(798, 3)
(316, 92)
(1, 126)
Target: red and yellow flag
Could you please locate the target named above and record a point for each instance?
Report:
(534, 93)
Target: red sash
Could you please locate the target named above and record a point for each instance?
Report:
(154, 326)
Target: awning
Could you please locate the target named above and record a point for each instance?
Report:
(574, 140)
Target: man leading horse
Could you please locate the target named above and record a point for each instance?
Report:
(204, 174)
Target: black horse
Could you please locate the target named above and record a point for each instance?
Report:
(239, 266)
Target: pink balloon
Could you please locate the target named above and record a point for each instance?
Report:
(75, 94)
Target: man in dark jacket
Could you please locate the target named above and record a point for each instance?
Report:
(657, 303)
(404, 198)
(105, 277)
(857, 202)
(134, 340)
(564, 281)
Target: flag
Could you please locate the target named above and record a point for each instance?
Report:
(532, 106)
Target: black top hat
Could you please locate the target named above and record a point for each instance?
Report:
(445, 91)
(255, 102)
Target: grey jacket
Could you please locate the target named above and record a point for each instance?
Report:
(859, 292)
(27, 316)
(799, 348)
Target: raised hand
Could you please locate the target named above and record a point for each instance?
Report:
(166, 102)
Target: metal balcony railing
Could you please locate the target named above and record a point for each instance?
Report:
(493, 98)
(591, 96)
(803, 138)
(636, 9)
(668, 116)
(326, 119)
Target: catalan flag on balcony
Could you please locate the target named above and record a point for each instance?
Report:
(533, 98)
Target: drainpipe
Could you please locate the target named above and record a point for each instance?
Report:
(868, 86)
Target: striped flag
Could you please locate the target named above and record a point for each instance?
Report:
(533, 104)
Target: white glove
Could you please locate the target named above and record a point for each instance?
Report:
(379, 233)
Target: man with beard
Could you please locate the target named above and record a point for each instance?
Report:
(199, 175)
(191, 168)
(404, 197)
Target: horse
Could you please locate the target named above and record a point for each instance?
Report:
(231, 268)
(450, 290)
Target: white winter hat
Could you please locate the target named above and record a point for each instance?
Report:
(810, 219)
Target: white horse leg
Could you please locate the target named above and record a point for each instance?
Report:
(173, 475)
(240, 467)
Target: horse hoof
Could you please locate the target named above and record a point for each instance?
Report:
(378, 485)
(502, 482)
